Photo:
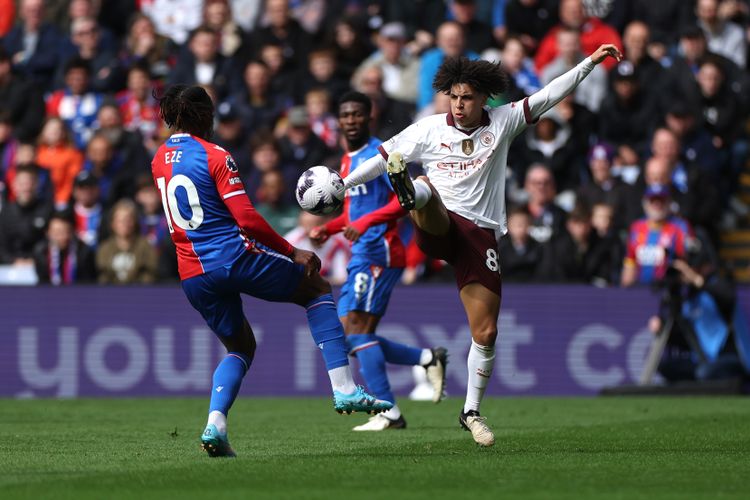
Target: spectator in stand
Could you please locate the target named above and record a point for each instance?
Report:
(217, 15)
(8, 151)
(652, 77)
(612, 240)
(300, 148)
(57, 154)
(22, 221)
(350, 45)
(174, 19)
(523, 78)
(593, 88)
(520, 254)
(280, 75)
(478, 34)
(229, 134)
(531, 20)
(152, 221)
(61, 258)
(665, 18)
(724, 37)
(89, 9)
(616, 13)
(388, 116)
(655, 241)
(593, 34)
(604, 188)
(697, 145)
(266, 155)
(400, 68)
(282, 29)
(76, 104)
(280, 214)
(126, 257)
(320, 72)
(34, 44)
(547, 218)
(257, 106)
(628, 114)
(126, 145)
(86, 43)
(145, 46)
(721, 110)
(7, 16)
(139, 109)
(115, 178)
(203, 64)
(322, 121)
(422, 18)
(334, 253)
(451, 42)
(87, 209)
(21, 100)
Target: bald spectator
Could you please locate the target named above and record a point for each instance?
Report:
(651, 75)
(451, 42)
(400, 68)
(724, 37)
(34, 44)
(547, 218)
(593, 34)
(86, 43)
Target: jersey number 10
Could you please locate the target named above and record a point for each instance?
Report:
(171, 208)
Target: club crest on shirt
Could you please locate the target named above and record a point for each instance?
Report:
(231, 165)
(467, 146)
(486, 138)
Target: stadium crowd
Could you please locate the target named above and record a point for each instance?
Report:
(634, 170)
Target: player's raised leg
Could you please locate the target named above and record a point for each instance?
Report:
(314, 294)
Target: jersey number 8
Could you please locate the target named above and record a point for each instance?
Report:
(171, 208)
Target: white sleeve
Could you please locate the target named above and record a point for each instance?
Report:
(366, 171)
(536, 104)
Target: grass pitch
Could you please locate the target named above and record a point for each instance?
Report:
(300, 448)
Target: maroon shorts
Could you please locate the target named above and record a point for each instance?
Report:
(470, 249)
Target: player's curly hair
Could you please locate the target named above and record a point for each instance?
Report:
(187, 108)
(485, 77)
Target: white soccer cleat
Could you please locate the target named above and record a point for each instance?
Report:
(477, 425)
(436, 373)
(380, 423)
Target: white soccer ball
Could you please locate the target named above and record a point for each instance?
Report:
(320, 190)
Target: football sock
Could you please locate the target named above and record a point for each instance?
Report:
(226, 384)
(426, 357)
(480, 362)
(371, 364)
(328, 334)
(422, 193)
(393, 414)
(219, 420)
(401, 354)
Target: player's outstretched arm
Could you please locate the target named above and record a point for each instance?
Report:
(387, 213)
(566, 83)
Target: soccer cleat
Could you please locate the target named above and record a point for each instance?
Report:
(215, 443)
(477, 425)
(359, 400)
(380, 423)
(398, 175)
(436, 373)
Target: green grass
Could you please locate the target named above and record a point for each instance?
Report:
(299, 448)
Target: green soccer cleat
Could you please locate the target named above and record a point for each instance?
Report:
(402, 185)
(216, 444)
(359, 400)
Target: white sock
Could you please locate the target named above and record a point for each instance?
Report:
(219, 420)
(422, 193)
(480, 362)
(393, 414)
(341, 380)
(426, 357)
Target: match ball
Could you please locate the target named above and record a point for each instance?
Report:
(320, 190)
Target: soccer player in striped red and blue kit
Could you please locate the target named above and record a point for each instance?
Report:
(378, 259)
(225, 248)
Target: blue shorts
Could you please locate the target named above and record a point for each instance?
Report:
(368, 288)
(266, 275)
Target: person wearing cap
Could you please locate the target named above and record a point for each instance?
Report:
(603, 187)
(300, 147)
(229, 133)
(400, 68)
(655, 241)
(630, 114)
(88, 210)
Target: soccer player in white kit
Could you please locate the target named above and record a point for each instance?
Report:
(458, 208)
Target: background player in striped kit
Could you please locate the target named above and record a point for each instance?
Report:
(378, 259)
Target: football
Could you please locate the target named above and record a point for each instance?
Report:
(320, 190)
